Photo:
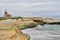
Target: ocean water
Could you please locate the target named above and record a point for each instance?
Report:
(46, 32)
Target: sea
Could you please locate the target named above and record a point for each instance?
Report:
(45, 32)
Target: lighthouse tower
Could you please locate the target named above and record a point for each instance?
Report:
(6, 15)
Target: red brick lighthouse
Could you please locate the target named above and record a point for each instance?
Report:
(6, 15)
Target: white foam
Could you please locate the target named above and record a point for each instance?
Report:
(40, 35)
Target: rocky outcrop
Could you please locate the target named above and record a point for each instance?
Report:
(12, 30)
(13, 35)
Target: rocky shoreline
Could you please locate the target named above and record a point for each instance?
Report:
(10, 29)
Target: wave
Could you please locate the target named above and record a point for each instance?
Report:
(46, 32)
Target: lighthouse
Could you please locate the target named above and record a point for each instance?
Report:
(6, 15)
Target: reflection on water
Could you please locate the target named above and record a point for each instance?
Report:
(47, 32)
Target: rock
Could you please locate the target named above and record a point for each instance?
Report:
(12, 35)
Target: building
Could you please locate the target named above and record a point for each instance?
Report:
(6, 15)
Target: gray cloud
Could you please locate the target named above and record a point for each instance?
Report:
(29, 1)
(30, 6)
(37, 5)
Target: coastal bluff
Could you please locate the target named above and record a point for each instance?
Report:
(10, 29)
(12, 35)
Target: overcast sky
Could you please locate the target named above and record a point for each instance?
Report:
(30, 7)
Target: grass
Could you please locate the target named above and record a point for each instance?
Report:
(31, 25)
(2, 18)
(24, 26)
(12, 28)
